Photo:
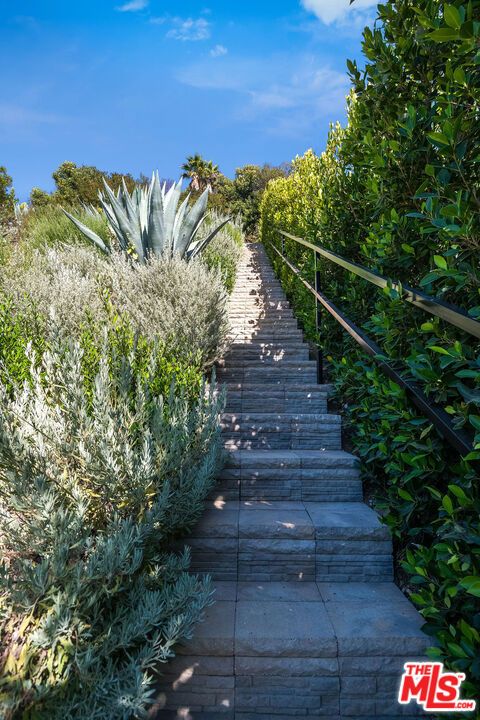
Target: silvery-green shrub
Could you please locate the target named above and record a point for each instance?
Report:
(92, 490)
(178, 303)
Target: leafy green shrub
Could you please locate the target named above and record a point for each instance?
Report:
(224, 252)
(7, 197)
(49, 227)
(79, 184)
(397, 190)
(18, 332)
(93, 489)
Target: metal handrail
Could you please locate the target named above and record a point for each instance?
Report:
(440, 419)
(432, 305)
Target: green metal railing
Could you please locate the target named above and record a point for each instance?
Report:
(459, 439)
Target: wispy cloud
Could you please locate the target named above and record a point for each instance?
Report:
(218, 51)
(291, 95)
(14, 116)
(133, 6)
(26, 21)
(189, 29)
(330, 11)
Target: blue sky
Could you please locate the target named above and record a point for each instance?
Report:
(136, 85)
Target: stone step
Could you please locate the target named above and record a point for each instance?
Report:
(271, 304)
(276, 398)
(309, 475)
(266, 319)
(282, 430)
(273, 348)
(260, 349)
(248, 335)
(281, 651)
(262, 541)
(261, 291)
(264, 326)
(291, 373)
(255, 358)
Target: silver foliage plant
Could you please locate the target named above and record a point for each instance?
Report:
(180, 304)
(93, 487)
(150, 222)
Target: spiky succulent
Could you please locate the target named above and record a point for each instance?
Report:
(150, 221)
(21, 211)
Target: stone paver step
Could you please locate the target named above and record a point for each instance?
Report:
(256, 358)
(282, 430)
(285, 372)
(277, 398)
(289, 650)
(275, 348)
(269, 541)
(310, 475)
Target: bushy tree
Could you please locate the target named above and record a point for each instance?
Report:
(397, 190)
(39, 199)
(81, 184)
(77, 185)
(243, 195)
(7, 196)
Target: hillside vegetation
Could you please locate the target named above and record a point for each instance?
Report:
(397, 189)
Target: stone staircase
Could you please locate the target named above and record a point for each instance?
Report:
(307, 621)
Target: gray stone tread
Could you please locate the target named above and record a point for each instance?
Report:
(291, 458)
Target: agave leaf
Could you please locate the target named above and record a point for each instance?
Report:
(132, 204)
(156, 221)
(88, 233)
(203, 243)
(170, 203)
(130, 230)
(179, 221)
(144, 209)
(191, 223)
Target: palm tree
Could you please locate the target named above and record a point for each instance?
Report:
(200, 172)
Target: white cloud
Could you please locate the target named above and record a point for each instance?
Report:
(133, 6)
(330, 11)
(218, 51)
(189, 29)
(292, 95)
(20, 121)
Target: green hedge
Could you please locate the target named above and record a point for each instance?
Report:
(398, 190)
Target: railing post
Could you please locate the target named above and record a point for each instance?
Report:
(283, 244)
(318, 323)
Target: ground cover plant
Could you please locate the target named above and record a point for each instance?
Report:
(109, 445)
(397, 190)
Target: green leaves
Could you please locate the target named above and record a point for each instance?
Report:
(440, 262)
(438, 138)
(452, 16)
(447, 504)
(472, 585)
(411, 147)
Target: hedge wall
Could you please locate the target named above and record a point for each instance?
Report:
(398, 190)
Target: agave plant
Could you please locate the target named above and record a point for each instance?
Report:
(149, 221)
(21, 211)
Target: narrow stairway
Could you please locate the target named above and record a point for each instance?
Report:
(307, 620)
